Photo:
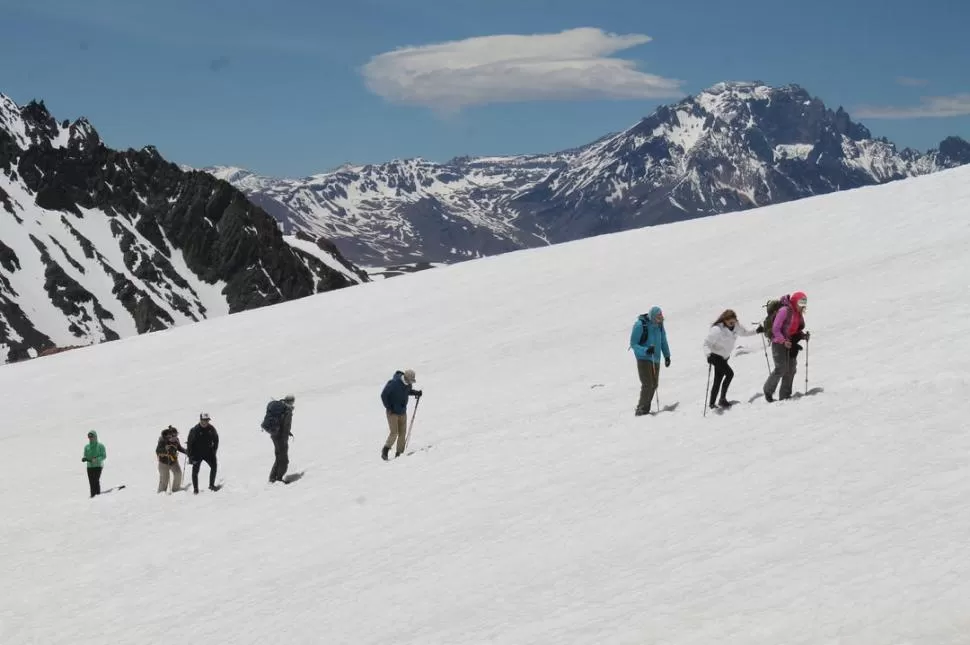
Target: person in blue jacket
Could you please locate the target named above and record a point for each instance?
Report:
(648, 340)
(394, 396)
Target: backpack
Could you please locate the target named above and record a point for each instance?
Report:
(771, 307)
(273, 418)
(645, 319)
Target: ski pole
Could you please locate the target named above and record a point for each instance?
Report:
(407, 437)
(707, 388)
(656, 383)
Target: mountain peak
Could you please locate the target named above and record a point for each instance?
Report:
(733, 146)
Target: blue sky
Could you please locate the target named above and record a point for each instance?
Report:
(289, 88)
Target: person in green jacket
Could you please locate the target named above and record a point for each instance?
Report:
(94, 456)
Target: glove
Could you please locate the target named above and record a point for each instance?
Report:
(710, 359)
(666, 362)
(417, 394)
(650, 351)
(807, 335)
(84, 458)
(760, 329)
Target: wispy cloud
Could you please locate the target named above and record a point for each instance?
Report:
(910, 81)
(930, 107)
(573, 64)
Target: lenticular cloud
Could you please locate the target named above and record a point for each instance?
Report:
(573, 64)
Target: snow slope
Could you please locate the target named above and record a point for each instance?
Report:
(543, 511)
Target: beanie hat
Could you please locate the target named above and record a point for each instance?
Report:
(409, 376)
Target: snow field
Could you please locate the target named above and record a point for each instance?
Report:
(543, 511)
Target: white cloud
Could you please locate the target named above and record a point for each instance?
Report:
(930, 107)
(910, 81)
(573, 64)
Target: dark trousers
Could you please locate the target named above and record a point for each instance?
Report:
(211, 461)
(649, 373)
(94, 480)
(723, 374)
(785, 367)
(281, 446)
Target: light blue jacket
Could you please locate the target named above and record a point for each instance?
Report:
(656, 337)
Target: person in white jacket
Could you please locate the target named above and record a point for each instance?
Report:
(718, 346)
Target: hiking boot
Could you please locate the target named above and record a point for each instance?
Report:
(384, 451)
(724, 403)
(398, 453)
(770, 398)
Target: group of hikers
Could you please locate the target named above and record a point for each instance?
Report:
(202, 444)
(784, 324)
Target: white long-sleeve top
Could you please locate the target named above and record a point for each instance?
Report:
(720, 340)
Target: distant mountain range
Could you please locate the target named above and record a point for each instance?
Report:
(98, 244)
(734, 146)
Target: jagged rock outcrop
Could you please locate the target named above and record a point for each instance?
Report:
(98, 244)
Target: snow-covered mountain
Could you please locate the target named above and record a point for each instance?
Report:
(98, 244)
(733, 146)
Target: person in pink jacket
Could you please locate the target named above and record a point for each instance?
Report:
(787, 329)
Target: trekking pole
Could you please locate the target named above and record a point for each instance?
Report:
(765, 346)
(656, 383)
(707, 388)
(407, 437)
(806, 367)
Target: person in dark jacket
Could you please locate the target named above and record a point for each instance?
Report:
(278, 421)
(202, 445)
(168, 450)
(395, 399)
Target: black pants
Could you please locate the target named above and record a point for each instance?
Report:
(281, 446)
(723, 374)
(211, 461)
(94, 480)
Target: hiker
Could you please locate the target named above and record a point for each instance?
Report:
(202, 445)
(94, 456)
(787, 329)
(718, 347)
(277, 422)
(394, 396)
(168, 450)
(648, 341)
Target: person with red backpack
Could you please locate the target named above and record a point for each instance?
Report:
(787, 328)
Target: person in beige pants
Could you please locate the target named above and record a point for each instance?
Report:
(167, 451)
(394, 396)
